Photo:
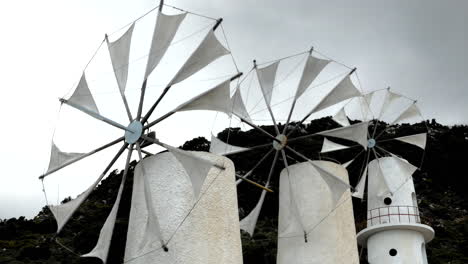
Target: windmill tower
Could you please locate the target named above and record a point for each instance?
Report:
(394, 232)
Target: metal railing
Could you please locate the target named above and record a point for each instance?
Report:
(394, 214)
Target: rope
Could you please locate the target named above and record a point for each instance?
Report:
(193, 13)
(229, 48)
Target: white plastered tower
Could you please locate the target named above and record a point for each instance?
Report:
(394, 232)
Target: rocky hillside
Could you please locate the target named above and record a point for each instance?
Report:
(440, 185)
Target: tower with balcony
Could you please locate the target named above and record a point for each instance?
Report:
(394, 232)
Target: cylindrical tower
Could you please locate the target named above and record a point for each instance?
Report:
(394, 232)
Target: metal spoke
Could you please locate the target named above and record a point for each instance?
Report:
(127, 108)
(142, 99)
(260, 129)
(272, 169)
(95, 115)
(307, 159)
(254, 167)
(82, 157)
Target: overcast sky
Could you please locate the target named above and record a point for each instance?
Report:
(417, 47)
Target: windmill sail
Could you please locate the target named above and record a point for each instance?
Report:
(58, 157)
(417, 140)
(101, 250)
(200, 232)
(164, 32)
(342, 91)
(82, 96)
(209, 50)
(341, 118)
(329, 146)
(334, 226)
(266, 77)
(220, 148)
(312, 69)
(119, 51)
(249, 222)
(356, 133)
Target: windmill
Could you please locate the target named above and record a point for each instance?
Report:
(384, 170)
(188, 170)
(310, 191)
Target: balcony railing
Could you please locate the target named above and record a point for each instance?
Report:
(394, 214)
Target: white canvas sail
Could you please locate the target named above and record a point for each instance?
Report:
(342, 91)
(63, 212)
(390, 98)
(203, 232)
(249, 222)
(411, 112)
(220, 148)
(330, 231)
(238, 106)
(312, 69)
(101, 250)
(356, 133)
(197, 169)
(82, 96)
(215, 99)
(208, 51)
(119, 51)
(164, 32)
(266, 77)
(360, 187)
(341, 118)
(416, 139)
(58, 157)
(329, 146)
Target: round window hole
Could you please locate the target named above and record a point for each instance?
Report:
(387, 201)
(392, 252)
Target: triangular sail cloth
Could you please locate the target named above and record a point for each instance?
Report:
(220, 148)
(266, 77)
(119, 51)
(249, 222)
(360, 187)
(196, 168)
(329, 171)
(341, 118)
(101, 250)
(164, 32)
(63, 212)
(82, 96)
(417, 140)
(356, 133)
(329, 146)
(238, 106)
(58, 157)
(392, 171)
(411, 112)
(390, 97)
(197, 232)
(346, 164)
(312, 69)
(215, 99)
(345, 89)
(208, 51)
(330, 230)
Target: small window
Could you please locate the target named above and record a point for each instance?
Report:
(387, 201)
(393, 252)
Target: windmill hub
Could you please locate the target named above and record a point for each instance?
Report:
(281, 143)
(371, 143)
(133, 132)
